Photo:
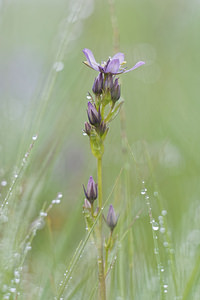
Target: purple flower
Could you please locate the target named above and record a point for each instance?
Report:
(94, 116)
(112, 66)
(112, 218)
(91, 192)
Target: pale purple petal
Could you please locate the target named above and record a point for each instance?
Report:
(139, 63)
(119, 56)
(90, 59)
(113, 66)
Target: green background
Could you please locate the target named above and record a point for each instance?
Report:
(161, 120)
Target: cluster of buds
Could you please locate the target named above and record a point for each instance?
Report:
(107, 91)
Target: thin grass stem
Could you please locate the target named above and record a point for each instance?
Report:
(102, 285)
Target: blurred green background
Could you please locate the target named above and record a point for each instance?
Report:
(161, 118)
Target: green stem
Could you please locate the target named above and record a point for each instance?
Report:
(102, 285)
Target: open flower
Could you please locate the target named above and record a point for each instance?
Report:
(112, 66)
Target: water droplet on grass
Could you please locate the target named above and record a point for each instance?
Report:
(143, 191)
(156, 251)
(165, 244)
(43, 214)
(155, 225)
(3, 183)
(58, 66)
(164, 212)
(162, 270)
(34, 137)
(162, 229)
(165, 286)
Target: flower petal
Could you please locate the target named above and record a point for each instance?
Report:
(113, 66)
(119, 56)
(91, 62)
(139, 63)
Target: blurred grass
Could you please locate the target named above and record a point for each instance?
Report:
(162, 127)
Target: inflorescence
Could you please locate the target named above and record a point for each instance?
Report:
(102, 109)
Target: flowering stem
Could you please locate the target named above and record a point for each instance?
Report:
(102, 285)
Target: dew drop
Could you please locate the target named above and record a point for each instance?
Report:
(34, 137)
(165, 291)
(143, 191)
(84, 133)
(89, 97)
(156, 251)
(58, 66)
(12, 290)
(165, 286)
(43, 214)
(155, 225)
(162, 229)
(4, 183)
(162, 270)
(60, 195)
(16, 273)
(165, 244)
(164, 212)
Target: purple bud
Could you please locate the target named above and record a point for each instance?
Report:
(94, 116)
(102, 128)
(98, 84)
(108, 84)
(112, 218)
(115, 91)
(87, 129)
(91, 192)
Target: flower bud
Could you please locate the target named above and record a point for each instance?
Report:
(91, 192)
(115, 91)
(108, 84)
(98, 84)
(94, 116)
(112, 218)
(87, 129)
(102, 128)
